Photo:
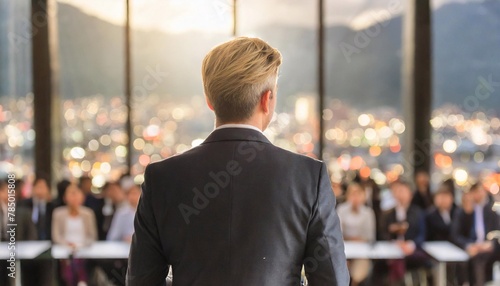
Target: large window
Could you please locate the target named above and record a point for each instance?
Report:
(91, 57)
(17, 136)
(363, 119)
(292, 30)
(362, 115)
(465, 119)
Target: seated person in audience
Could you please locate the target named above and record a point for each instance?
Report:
(469, 232)
(422, 196)
(122, 226)
(460, 227)
(358, 224)
(405, 223)
(114, 199)
(439, 218)
(73, 225)
(40, 206)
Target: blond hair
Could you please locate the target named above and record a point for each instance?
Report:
(236, 73)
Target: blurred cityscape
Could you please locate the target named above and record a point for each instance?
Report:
(364, 124)
(94, 139)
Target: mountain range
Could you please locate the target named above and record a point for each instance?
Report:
(466, 46)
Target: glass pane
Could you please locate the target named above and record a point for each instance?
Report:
(169, 42)
(91, 56)
(291, 28)
(17, 136)
(364, 124)
(466, 106)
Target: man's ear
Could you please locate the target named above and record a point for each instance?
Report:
(208, 103)
(265, 101)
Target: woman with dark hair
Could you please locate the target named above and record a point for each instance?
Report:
(73, 225)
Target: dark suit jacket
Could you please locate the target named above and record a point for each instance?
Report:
(96, 204)
(436, 228)
(237, 210)
(463, 228)
(422, 201)
(46, 228)
(416, 225)
(26, 229)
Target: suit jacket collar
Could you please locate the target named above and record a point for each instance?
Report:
(236, 134)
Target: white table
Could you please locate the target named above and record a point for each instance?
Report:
(376, 250)
(444, 252)
(24, 249)
(97, 250)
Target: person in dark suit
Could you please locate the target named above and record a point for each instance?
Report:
(461, 227)
(422, 196)
(439, 218)
(40, 206)
(484, 220)
(237, 210)
(405, 223)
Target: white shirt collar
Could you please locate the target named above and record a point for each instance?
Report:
(248, 126)
(400, 213)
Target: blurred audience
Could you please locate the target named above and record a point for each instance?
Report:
(358, 224)
(74, 225)
(81, 217)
